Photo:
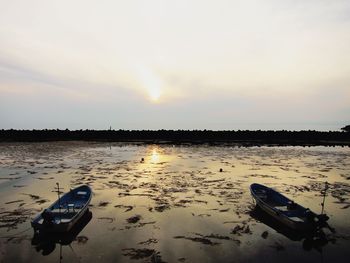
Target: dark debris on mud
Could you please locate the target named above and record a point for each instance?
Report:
(133, 219)
(207, 239)
(103, 204)
(202, 240)
(241, 229)
(150, 255)
(82, 240)
(149, 241)
(278, 246)
(128, 207)
(11, 219)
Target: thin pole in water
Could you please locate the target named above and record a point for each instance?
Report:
(59, 200)
(61, 252)
(324, 197)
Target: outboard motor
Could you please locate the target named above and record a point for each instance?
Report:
(48, 218)
(310, 216)
(323, 218)
(322, 221)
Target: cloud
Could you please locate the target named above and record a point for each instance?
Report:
(249, 60)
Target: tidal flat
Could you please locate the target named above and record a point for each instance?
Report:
(165, 203)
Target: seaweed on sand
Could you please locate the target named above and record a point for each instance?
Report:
(264, 234)
(143, 253)
(141, 224)
(103, 204)
(33, 197)
(149, 241)
(133, 219)
(12, 202)
(241, 229)
(82, 239)
(11, 219)
(202, 240)
(221, 237)
(128, 207)
(162, 207)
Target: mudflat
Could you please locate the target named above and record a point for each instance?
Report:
(164, 203)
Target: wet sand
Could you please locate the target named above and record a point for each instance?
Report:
(161, 203)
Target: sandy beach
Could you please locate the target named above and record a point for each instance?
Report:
(164, 203)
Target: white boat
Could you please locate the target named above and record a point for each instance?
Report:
(62, 215)
(286, 211)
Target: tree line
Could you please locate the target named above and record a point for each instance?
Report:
(248, 137)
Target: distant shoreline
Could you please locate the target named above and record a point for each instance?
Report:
(245, 138)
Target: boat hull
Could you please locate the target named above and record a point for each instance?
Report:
(65, 212)
(283, 219)
(278, 206)
(60, 227)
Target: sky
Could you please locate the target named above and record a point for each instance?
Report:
(222, 65)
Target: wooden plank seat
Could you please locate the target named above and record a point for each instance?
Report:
(283, 208)
(64, 212)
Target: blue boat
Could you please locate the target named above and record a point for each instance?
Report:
(287, 211)
(63, 214)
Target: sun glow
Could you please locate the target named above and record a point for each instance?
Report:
(151, 83)
(154, 94)
(155, 156)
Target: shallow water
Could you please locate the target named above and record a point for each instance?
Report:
(175, 206)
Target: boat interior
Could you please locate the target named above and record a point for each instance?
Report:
(284, 205)
(68, 207)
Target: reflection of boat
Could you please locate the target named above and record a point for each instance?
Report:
(314, 240)
(46, 242)
(286, 211)
(62, 215)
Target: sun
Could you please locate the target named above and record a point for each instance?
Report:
(154, 94)
(152, 84)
